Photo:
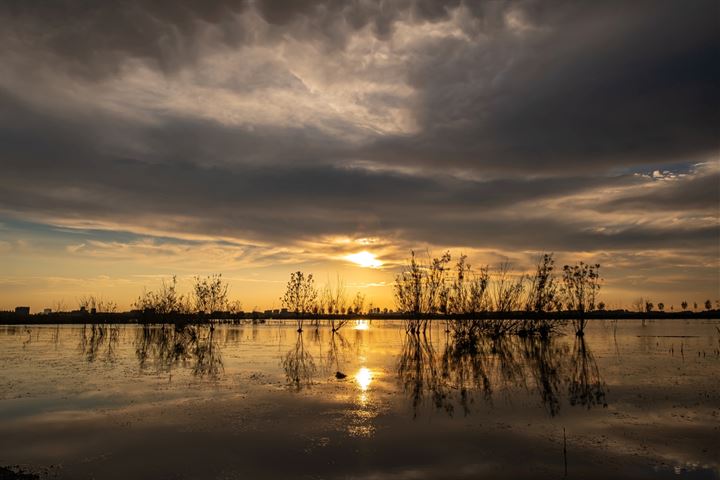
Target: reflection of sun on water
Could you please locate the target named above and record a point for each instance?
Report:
(363, 377)
(365, 411)
(361, 325)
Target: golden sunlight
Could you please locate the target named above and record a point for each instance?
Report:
(363, 377)
(364, 259)
(361, 325)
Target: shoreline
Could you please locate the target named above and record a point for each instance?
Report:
(12, 318)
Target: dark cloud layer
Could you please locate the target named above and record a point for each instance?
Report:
(518, 125)
(93, 38)
(605, 86)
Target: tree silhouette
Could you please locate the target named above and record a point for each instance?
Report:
(581, 284)
(300, 295)
(210, 294)
(163, 301)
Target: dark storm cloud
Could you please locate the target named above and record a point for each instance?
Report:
(297, 204)
(93, 38)
(261, 203)
(589, 86)
(515, 110)
(596, 86)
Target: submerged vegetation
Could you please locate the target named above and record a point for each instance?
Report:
(209, 294)
(581, 284)
(300, 296)
(426, 289)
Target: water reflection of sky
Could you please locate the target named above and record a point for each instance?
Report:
(642, 399)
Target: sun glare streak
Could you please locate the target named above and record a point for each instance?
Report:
(364, 259)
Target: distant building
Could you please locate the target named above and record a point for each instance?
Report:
(22, 310)
(47, 311)
(284, 310)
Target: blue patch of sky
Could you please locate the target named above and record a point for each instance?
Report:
(684, 167)
(60, 234)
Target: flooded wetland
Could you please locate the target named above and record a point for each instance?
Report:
(629, 399)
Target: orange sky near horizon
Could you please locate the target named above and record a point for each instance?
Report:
(47, 276)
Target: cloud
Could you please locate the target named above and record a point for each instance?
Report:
(274, 126)
(593, 89)
(697, 192)
(498, 88)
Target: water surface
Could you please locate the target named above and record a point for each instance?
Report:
(630, 400)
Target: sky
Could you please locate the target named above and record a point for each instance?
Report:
(147, 139)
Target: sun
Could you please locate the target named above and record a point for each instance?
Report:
(364, 259)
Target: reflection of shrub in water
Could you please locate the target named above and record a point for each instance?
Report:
(466, 368)
(470, 329)
(205, 354)
(585, 387)
(420, 372)
(416, 325)
(454, 375)
(470, 365)
(338, 346)
(168, 346)
(299, 365)
(99, 340)
(544, 362)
